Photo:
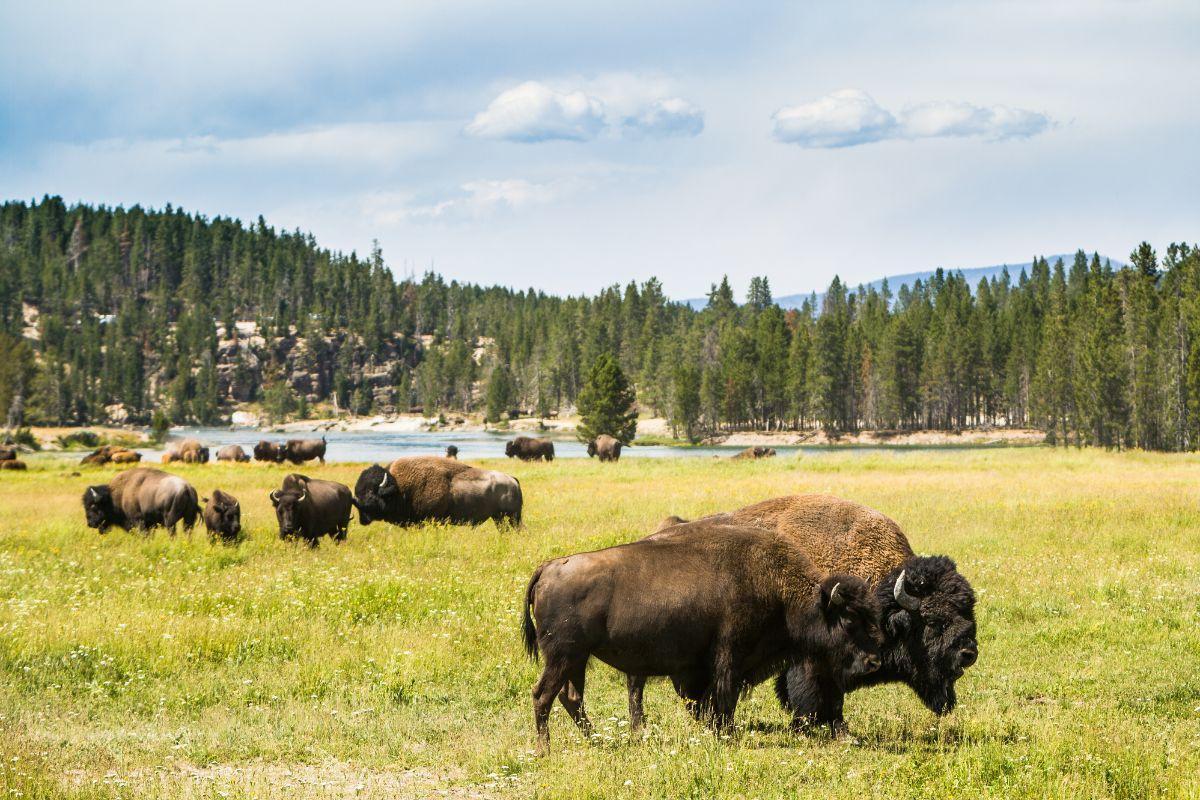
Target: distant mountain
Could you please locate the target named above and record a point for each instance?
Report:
(972, 274)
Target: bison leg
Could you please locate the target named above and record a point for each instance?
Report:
(692, 688)
(813, 698)
(571, 696)
(544, 692)
(637, 715)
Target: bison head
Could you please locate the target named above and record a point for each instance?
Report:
(929, 628)
(452, 451)
(851, 633)
(98, 508)
(288, 501)
(591, 448)
(375, 494)
(510, 448)
(224, 513)
(202, 455)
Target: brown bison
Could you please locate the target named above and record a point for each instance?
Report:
(170, 457)
(111, 453)
(413, 490)
(222, 516)
(718, 611)
(269, 451)
(232, 452)
(139, 499)
(12, 463)
(529, 449)
(308, 509)
(928, 607)
(755, 453)
(190, 451)
(8, 454)
(606, 447)
(298, 451)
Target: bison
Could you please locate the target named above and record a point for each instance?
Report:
(125, 457)
(451, 451)
(605, 446)
(191, 451)
(140, 499)
(171, 457)
(269, 451)
(298, 451)
(308, 508)
(8, 453)
(232, 452)
(12, 463)
(416, 489)
(928, 607)
(111, 453)
(529, 449)
(718, 611)
(222, 516)
(755, 453)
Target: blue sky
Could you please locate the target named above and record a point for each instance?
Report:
(568, 147)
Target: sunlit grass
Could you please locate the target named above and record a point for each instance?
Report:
(391, 665)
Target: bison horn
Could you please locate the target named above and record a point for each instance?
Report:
(836, 599)
(92, 491)
(383, 482)
(303, 495)
(275, 496)
(906, 600)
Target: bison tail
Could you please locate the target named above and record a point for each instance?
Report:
(528, 631)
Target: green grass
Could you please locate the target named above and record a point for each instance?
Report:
(160, 667)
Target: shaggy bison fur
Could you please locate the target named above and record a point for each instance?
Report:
(222, 516)
(412, 490)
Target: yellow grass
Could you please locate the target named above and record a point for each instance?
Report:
(391, 666)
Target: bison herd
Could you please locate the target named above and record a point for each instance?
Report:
(823, 595)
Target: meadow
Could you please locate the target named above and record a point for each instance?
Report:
(391, 665)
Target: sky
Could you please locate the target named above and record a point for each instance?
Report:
(570, 146)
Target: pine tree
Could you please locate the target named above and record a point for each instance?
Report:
(606, 403)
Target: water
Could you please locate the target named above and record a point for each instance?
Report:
(383, 446)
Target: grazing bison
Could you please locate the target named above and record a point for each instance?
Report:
(222, 516)
(111, 453)
(308, 508)
(718, 611)
(171, 457)
(269, 451)
(8, 454)
(605, 446)
(232, 452)
(139, 499)
(413, 490)
(191, 451)
(452, 451)
(298, 451)
(756, 453)
(529, 449)
(928, 607)
(125, 457)
(12, 463)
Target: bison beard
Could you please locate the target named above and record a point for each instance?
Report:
(928, 626)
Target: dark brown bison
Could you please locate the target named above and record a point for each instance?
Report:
(451, 451)
(298, 451)
(529, 449)
(413, 490)
(222, 516)
(232, 452)
(8, 454)
(269, 451)
(170, 457)
(718, 611)
(928, 607)
(139, 499)
(12, 463)
(605, 446)
(308, 509)
(756, 453)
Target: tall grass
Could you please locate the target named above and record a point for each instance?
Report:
(391, 666)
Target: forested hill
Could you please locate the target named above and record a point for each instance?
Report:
(113, 314)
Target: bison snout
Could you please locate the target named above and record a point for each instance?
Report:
(871, 664)
(967, 656)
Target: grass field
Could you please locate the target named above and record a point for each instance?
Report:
(391, 666)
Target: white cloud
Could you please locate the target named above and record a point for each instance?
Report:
(533, 112)
(852, 117)
(948, 118)
(475, 200)
(841, 119)
(621, 103)
(671, 116)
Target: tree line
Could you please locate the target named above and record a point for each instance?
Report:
(131, 308)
